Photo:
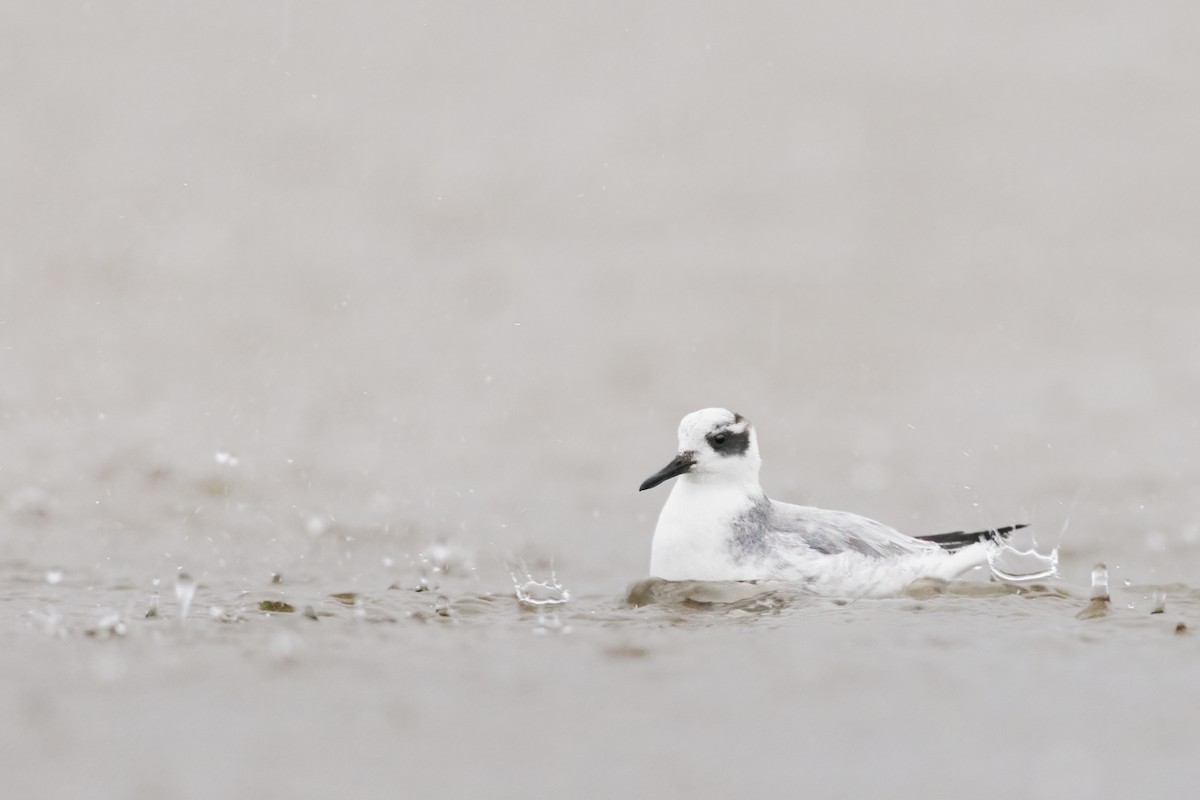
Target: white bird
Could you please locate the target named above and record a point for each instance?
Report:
(719, 525)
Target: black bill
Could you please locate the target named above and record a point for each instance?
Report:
(682, 463)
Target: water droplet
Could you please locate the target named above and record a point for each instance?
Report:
(225, 458)
(441, 606)
(1098, 605)
(387, 561)
(110, 625)
(444, 559)
(1099, 582)
(54, 576)
(185, 590)
(1127, 582)
(1160, 602)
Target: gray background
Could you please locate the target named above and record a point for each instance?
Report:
(455, 270)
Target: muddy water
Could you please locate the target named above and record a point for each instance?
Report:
(401, 296)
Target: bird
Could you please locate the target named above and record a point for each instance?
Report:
(719, 525)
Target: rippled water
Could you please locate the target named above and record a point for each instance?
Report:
(309, 686)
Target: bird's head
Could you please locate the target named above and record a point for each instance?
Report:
(714, 444)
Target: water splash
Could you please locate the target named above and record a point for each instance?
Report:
(54, 576)
(185, 590)
(1160, 602)
(111, 625)
(1100, 582)
(1098, 606)
(538, 593)
(1014, 565)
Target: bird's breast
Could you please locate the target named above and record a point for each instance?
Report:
(692, 538)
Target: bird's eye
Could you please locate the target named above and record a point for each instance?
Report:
(719, 439)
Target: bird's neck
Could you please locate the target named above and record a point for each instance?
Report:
(745, 485)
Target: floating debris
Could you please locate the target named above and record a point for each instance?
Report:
(185, 590)
(276, 577)
(311, 613)
(346, 598)
(276, 607)
(1098, 606)
(1180, 628)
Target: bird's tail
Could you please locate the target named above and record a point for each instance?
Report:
(958, 539)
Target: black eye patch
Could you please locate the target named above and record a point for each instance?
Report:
(728, 443)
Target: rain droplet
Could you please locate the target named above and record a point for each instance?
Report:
(185, 590)
(1098, 605)
(1099, 582)
(226, 458)
(109, 626)
(1160, 602)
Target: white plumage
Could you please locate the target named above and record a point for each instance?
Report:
(719, 525)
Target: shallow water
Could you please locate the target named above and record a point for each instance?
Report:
(374, 688)
(308, 302)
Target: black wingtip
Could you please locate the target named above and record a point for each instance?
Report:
(957, 539)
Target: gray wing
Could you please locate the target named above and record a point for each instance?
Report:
(832, 532)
